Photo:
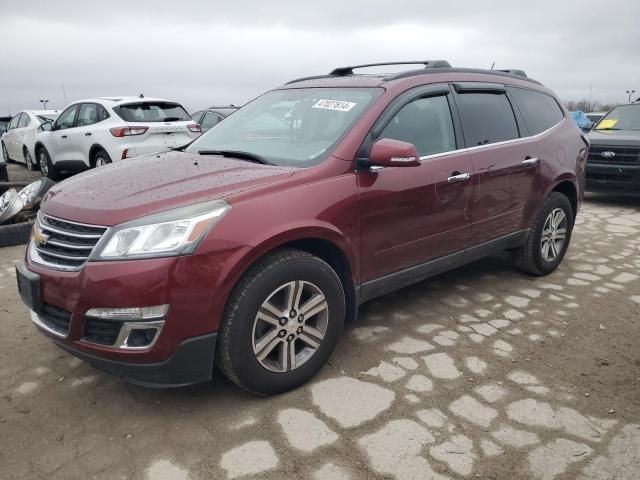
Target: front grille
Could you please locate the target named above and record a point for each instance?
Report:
(55, 318)
(104, 332)
(67, 245)
(623, 155)
(608, 177)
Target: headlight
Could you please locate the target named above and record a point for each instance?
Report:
(170, 233)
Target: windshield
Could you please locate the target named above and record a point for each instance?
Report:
(624, 117)
(152, 112)
(296, 127)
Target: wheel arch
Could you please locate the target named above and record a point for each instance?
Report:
(568, 189)
(93, 150)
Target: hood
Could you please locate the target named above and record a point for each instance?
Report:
(137, 187)
(615, 137)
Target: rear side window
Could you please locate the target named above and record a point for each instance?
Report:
(152, 112)
(24, 121)
(88, 115)
(426, 123)
(486, 118)
(540, 111)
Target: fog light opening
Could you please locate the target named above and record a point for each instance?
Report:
(142, 337)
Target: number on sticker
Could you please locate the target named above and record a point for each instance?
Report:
(337, 105)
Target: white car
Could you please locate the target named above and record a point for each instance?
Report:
(19, 140)
(94, 132)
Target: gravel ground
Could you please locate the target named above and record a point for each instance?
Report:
(479, 373)
(19, 173)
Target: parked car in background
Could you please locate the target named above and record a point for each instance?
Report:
(250, 247)
(4, 121)
(614, 155)
(595, 117)
(95, 132)
(212, 116)
(18, 141)
(581, 120)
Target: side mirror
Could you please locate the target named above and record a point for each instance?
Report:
(46, 126)
(387, 152)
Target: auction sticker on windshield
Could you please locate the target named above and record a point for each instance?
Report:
(607, 123)
(338, 105)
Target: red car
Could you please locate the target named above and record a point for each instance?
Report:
(250, 247)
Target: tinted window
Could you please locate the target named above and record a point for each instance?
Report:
(66, 118)
(88, 115)
(426, 123)
(486, 118)
(152, 112)
(24, 121)
(209, 120)
(540, 111)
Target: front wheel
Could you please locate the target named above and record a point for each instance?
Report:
(46, 165)
(281, 323)
(548, 237)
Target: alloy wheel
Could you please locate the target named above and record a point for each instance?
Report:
(554, 234)
(290, 326)
(44, 165)
(100, 161)
(28, 160)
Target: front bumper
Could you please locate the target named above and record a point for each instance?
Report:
(194, 286)
(623, 179)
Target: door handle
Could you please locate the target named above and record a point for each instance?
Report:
(88, 134)
(63, 136)
(530, 161)
(458, 177)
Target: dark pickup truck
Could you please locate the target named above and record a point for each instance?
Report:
(613, 165)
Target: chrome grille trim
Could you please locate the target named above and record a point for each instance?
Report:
(69, 244)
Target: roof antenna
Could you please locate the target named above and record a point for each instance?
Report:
(493, 65)
(141, 95)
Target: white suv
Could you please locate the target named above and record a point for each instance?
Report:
(19, 139)
(95, 132)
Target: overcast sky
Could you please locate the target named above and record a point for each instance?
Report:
(209, 52)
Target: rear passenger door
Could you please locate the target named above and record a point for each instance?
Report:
(505, 165)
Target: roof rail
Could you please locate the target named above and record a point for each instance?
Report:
(513, 71)
(342, 71)
(231, 105)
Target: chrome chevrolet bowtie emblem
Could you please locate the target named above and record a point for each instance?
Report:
(608, 154)
(39, 237)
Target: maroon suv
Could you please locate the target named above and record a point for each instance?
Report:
(250, 247)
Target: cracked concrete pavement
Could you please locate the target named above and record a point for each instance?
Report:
(479, 373)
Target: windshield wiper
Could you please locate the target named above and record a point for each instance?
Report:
(251, 157)
(608, 128)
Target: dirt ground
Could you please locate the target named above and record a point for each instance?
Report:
(479, 373)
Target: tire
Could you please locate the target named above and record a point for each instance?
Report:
(46, 165)
(100, 159)
(28, 160)
(238, 336)
(5, 154)
(532, 257)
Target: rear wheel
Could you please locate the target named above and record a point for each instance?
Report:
(281, 323)
(28, 160)
(101, 159)
(47, 166)
(548, 237)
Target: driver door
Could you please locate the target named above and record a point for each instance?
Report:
(412, 215)
(60, 148)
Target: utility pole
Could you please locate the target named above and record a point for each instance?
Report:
(629, 93)
(44, 103)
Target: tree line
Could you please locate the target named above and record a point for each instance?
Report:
(588, 106)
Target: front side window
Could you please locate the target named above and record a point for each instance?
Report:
(67, 118)
(486, 118)
(426, 123)
(24, 120)
(88, 115)
(14, 122)
(624, 117)
(297, 127)
(152, 112)
(540, 111)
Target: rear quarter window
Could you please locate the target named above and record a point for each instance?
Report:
(152, 112)
(540, 111)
